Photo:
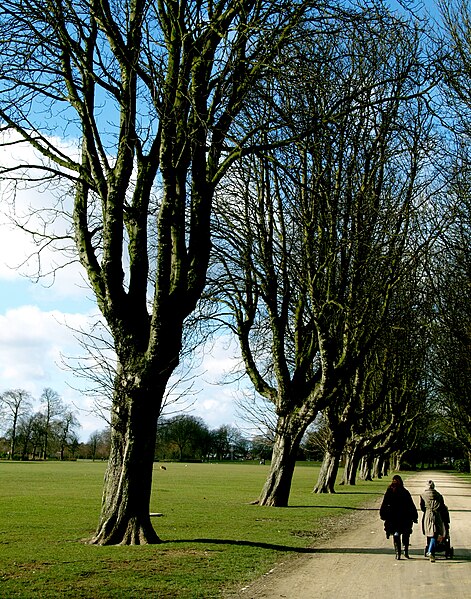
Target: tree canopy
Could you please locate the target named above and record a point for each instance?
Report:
(288, 160)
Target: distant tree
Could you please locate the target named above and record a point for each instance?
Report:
(30, 435)
(16, 403)
(262, 447)
(52, 407)
(221, 443)
(239, 445)
(227, 442)
(185, 433)
(4, 446)
(92, 444)
(65, 432)
(103, 443)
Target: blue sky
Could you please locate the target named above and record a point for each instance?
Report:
(34, 319)
(35, 333)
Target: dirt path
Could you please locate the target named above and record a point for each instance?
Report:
(360, 563)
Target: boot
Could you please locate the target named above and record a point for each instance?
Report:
(397, 546)
(405, 542)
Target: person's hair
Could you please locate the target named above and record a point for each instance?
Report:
(396, 482)
(431, 484)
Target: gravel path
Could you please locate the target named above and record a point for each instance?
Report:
(360, 563)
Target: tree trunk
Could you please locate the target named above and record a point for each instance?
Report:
(378, 467)
(45, 445)
(125, 510)
(352, 463)
(339, 433)
(366, 468)
(397, 462)
(277, 487)
(376, 470)
(328, 473)
(13, 441)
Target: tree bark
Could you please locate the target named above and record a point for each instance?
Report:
(366, 468)
(125, 515)
(335, 446)
(276, 490)
(352, 463)
(378, 464)
(328, 473)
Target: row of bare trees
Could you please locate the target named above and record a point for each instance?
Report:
(184, 437)
(50, 431)
(286, 159)
(319, 245)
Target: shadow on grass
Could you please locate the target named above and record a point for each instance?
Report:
(260, 545)
(463, 555)
(377, 493)
(334, 507)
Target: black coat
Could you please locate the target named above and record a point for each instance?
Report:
(398, 511)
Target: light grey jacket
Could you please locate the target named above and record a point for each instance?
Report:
(432, 504)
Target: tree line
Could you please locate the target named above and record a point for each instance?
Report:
(187, 438)
(50, 432)
(293, 172)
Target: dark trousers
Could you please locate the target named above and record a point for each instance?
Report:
(397, 544)
(405, 539)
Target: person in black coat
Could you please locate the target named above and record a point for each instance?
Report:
(399, 513)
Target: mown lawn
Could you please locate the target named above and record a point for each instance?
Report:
(213, 538)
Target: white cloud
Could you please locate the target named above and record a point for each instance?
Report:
(219, 384)
(19, 261)
(32, 343)
(40, 207)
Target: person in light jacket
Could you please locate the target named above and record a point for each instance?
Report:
(398, 512)
(434, 519)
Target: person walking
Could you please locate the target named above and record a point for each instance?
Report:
(399, 513)
(434, 519)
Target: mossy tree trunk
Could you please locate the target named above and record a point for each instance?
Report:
(328, 473)
(277, 487)
(127, 489)
(352, 461)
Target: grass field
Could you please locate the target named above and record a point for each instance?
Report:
(213, 539)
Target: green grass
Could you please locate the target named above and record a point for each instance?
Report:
(214, 540)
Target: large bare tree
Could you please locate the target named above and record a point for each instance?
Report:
(314, 245)
(152, 90)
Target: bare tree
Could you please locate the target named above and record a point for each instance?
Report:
(313, 238)
(65, 431)
(53, 406)
(16, 403)
(152, 90)
(99, 444)
(97, 367)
